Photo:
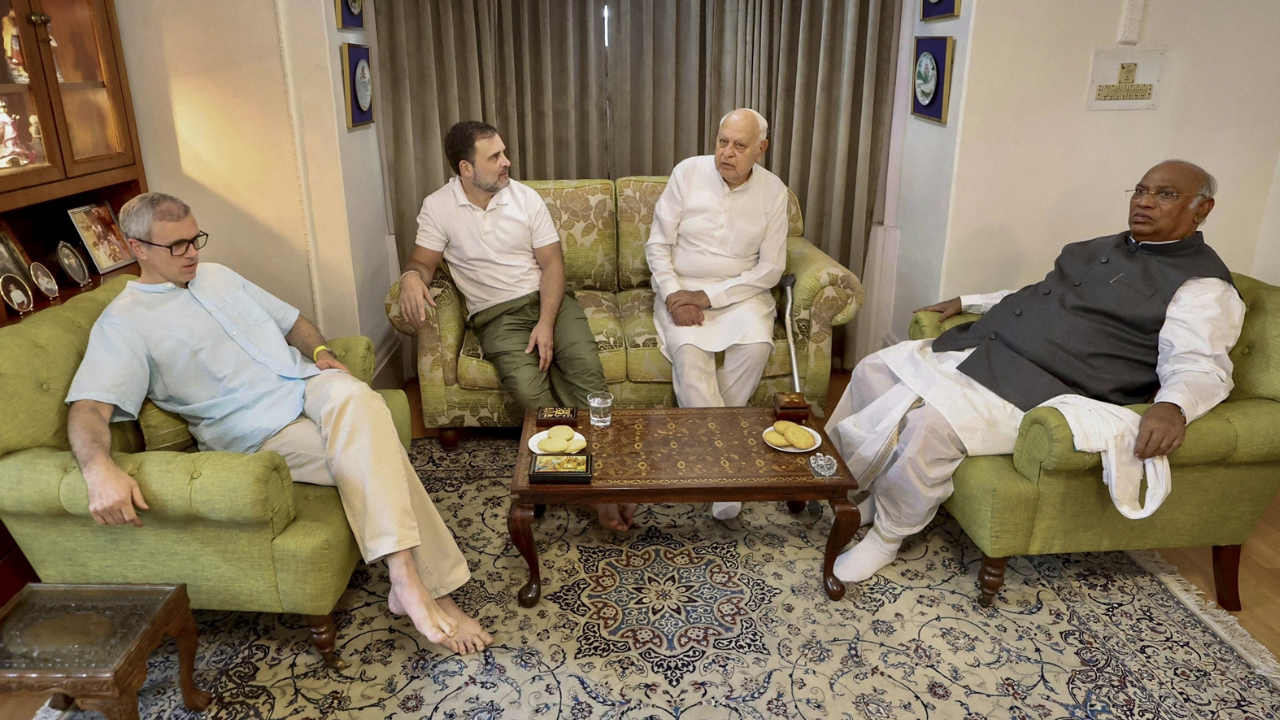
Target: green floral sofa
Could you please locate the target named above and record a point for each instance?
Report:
(603, 228)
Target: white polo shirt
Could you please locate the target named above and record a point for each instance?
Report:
(490, 252)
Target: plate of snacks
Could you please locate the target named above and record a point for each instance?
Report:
(560, 439)
(790, 437)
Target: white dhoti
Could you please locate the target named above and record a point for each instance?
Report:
(743, 330)
(904, 424)
(347, 439)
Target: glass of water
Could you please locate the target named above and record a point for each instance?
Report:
(601, 408)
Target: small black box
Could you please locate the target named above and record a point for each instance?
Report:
(560, 469)
(552, 416)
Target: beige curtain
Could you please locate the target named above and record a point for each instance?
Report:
(534, 69)
(821, 72)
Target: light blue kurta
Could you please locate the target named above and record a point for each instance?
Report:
(214, 353)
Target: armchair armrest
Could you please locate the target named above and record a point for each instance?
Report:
(356, 352)
(179, 487)
(439, 342)
(926, 325)
(826, 294)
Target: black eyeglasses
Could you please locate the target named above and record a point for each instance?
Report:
(182, 246)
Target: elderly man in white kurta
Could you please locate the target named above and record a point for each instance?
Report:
(717, 247)
(1151, 315)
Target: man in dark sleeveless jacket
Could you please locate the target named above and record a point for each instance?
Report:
(1147, 315)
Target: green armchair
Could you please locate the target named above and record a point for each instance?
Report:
(1049, 498)
(233, 527)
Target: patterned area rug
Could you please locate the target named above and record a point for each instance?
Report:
(686, 617)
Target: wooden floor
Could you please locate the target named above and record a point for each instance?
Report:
(1259, 568)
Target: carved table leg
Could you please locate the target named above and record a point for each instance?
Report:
(1226, 576)
(795, 507)
(520, 525)
(324, 636)
(183, 629)
(124, 707)
(61, 702)
(449, 439)
(990, 578)
(842, 531)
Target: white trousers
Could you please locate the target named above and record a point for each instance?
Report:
(916, 480)
(347, 439)
(698, 383)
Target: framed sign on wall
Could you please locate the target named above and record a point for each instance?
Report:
(357, 84)
(939, 9)
(931, 81)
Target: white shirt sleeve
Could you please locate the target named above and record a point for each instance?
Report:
(541, 229)
(114, 371)
(983, 302)
(430, 235)
(1201, 326)
(662, 236)
(769, 267)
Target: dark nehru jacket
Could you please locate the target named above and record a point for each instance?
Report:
(1091, 327)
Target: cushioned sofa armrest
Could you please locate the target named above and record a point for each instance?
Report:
(1235, 432)
(356, 352)
(824, 287)
(216, 486)
(926, 325)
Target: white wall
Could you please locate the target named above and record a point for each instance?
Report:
(241, 113)
(1266, 263)
(928, 164)
(1035, 170)
(1027, 168)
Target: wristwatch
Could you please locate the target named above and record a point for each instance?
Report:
(315, 354)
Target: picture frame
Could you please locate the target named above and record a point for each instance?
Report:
(72, 263)
(44, 280)
(357, 83)
(350, 14)
(13, 258)
(98, 229)
(938, 9)
(17, 293)
(931, 79)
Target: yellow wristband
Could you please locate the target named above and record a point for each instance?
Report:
(316, 353)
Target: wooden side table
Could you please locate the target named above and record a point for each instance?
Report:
(89, 644)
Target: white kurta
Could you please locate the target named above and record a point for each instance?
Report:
(1201, 325)
(731, 244)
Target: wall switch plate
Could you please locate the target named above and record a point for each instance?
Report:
(1124, 79)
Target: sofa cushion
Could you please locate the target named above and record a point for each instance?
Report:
(1256, 355)
(645, 361)
(601, 308)
(163, 430)
(582, 211)
(637, 197)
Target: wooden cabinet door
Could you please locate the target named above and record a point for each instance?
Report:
(77, 45)
(29, 150)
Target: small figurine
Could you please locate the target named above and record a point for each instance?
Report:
(37, 137)
(12, 152)
(12, 41)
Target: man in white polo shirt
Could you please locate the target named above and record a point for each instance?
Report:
(504, 255)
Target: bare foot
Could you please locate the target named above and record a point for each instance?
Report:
(628, 512)
(470, 638)
(611, 518)
(409, 597)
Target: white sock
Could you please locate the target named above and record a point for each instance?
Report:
(725, 510)
(867, 509)
(867, 557)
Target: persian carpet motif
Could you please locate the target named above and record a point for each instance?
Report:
(687, 618)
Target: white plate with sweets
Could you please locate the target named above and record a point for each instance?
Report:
(790, 437)
(560, 439)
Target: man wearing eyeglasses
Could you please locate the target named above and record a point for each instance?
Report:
(248, 373)
(1146, 315)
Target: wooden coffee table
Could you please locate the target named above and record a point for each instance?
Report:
(685, 455)
(90, 643)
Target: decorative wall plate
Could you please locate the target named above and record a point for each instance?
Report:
(926, 78)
